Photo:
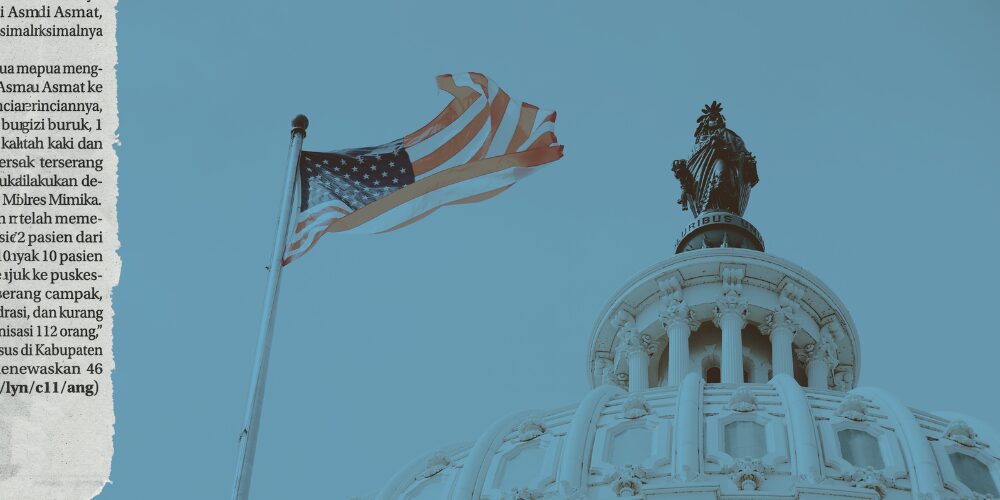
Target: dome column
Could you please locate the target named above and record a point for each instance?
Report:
(819, 358)
(781, 329)
(730, 316)
(636, 349)
(679, 321)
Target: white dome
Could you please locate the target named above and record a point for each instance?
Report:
(793, 426)
(719, 373)
(709, 441)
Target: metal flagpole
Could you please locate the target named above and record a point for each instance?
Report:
(251, 422)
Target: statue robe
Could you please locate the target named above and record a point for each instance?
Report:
(723, 172)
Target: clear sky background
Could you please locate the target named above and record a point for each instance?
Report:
(873, 124)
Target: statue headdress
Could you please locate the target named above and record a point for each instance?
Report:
(713, 110)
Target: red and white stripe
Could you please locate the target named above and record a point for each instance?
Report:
(482, 143)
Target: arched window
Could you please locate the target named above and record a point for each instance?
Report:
(744, 439)
(713, 375)
(860, 449)
(974, 474)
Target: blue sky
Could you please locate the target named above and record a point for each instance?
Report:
(872, 124)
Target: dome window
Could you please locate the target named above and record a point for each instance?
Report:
(860, 449)
(745, 439)
(632, 446)
(521, 468)
(974, 474)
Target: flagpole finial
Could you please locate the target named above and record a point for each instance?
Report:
(299, 124)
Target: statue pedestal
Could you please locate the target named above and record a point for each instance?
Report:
(718, 229)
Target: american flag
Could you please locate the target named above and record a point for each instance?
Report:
(482, 143)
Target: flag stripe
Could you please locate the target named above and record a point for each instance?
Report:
(543, 141)
(523, 130)
(464, 97)
(449, 177)
(463, 156)
(454, 144)
(543, 126)
(481, 80)
(476, 198)
(508, 124)
(430, 144)
(321, 210)
(435, 182)
(408, 210)
(497, 110)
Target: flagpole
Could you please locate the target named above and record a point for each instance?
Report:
(251, 421)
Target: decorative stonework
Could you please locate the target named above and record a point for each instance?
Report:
(806, 353)
(828, 348)
(435, 464)
(779, 319)
(819, 362)
(742, 400)
(630, 339)
(522, 494)
(621, 380)
(623, 320)
(570, 492)
(678, 312)
(790, 295)
(529, 429)
(675, 309)
(843, 378)
(962, 433)
(634, 342)
(834, 329)
(788, 308)
(748, 473)
(732, 300)
(609, 377)
(732, 303)
(605, 369)
(732, 279)
(853, 407)
(635, 407)
(868, 477)
(671, 288)
(628, 480)
(825, 350)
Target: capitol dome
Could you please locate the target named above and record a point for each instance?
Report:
(721, 372)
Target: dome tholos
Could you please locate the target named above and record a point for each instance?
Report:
(677, 413)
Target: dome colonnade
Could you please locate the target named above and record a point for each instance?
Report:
(671, 319)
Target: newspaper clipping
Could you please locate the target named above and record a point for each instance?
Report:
(58, 243)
